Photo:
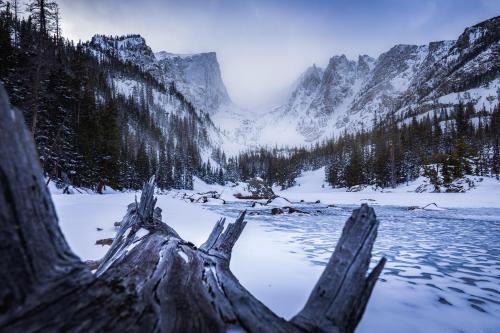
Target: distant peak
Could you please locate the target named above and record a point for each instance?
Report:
(403, 48)
(312, 71)
(365, 58)
(339, 58)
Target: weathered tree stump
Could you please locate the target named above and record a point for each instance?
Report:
(150, 280)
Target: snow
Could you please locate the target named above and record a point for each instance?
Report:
(258, 251)
(162, 55)
(279, 202)
(486, 96)
(475, 34)
(183, 256)
(309, 182)
(311, 186)
(435, 257)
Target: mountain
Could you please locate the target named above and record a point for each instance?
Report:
(407, 80)
(193, 80)
(346, 95)
(196, 76)
(112, 112)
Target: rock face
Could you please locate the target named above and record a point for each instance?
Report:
(196, 76)
(320, 93)
(406, 80)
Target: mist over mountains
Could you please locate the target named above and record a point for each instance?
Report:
(345, 96)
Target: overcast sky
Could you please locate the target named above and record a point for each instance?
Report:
(264, 45)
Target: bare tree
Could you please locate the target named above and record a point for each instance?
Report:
(56, 22)
(16, 11)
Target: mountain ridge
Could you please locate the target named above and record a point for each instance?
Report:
(405, 80)
(346, 95)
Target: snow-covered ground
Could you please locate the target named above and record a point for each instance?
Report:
(443, 265)
(311, 186)
(254, 259)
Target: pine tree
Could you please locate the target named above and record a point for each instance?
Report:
(142, 165)
(161, 178)
(109, 137)
(353, 173)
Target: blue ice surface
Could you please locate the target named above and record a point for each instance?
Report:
(443, 269)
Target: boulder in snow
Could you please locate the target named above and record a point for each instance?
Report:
(276, 211)
(256, 189)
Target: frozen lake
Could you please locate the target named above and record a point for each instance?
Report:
(442, 274)
(443, 269)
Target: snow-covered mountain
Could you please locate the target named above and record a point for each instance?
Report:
(196, 76)
(348, 94)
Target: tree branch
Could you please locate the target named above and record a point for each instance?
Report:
(214, 236)
(225, 242)
(339, 298)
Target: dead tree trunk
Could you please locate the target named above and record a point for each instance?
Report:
(151, 279)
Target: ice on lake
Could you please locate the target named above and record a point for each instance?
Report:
(443, 269)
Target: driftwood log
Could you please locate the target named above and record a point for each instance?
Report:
(151, 280)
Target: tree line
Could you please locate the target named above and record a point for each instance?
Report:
(443, 145)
